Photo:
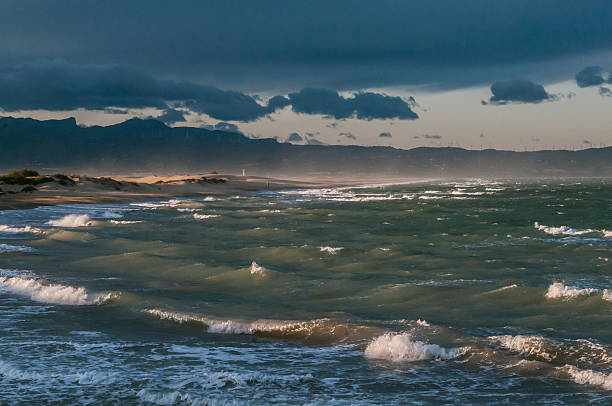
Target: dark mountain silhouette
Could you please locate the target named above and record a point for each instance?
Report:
(145, 146)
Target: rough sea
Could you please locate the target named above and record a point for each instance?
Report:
(440, 292)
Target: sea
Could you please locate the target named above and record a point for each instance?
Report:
(462, 292)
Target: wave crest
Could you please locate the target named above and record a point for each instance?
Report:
(558, 290)
(71, 220)
(40, 290)
(401, 347)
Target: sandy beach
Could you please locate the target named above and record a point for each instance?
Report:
(84, 189)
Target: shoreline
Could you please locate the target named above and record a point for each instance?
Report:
(123, 189)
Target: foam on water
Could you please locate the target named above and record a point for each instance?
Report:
(71, 221)
(40, 290)
(331, 250)
(13, 229)
(566, 230)
(257, 269)
(558, 290)
(204, 216)
(125, 221)
(401, 347)
(14, 248)
(589, 377)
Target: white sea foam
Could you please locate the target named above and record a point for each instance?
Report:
(41, 291)
(401, 347)
(257, 269)
(111, 215)
(558, 290)
(124, 221)
(564, 230)
(70, 221)
(14, 248)
(589, 377)
(607, 233)
(331, 250)
(229, 326)
(523, 344)
(204, 216)
(503, 288)
(153, 206)
(606, 294)
(25, 229)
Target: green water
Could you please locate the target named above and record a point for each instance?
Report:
(466, 292)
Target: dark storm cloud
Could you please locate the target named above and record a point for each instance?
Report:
(362, 105)
(385, 134)
(590, 76)
(341, 44)
(517, 91)
(59, 85)
(171, 116)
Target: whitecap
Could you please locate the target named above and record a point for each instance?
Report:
(562, 230)
(331, 250)
(14, 248)
(25, 229)
(70, 221)
(204, 216)
(41, 291)
(589, 377)
(257, 269)
(558, 290)
(401, 347)
(124, 221)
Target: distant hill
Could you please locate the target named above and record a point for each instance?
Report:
(146, 146)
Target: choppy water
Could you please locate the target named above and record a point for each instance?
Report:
(443, 292)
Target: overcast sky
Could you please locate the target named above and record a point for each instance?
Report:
(471, 73)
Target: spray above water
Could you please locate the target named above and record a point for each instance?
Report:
(71, 221)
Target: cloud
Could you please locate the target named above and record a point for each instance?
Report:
(59, 85)
(355, 45)
(347, 135)
(171, 116)
(590, 76)
(432, 137)
(362, 105)
(385, 134)
(295, 137)
(517, 91)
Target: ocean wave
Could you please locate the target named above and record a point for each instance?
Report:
(566, 230)
(124, 221)
(331, 250)
(589, 377)
(401, 347)
(14, 248)
(25, 229)
(562, 352)
(320, 331)
(111, 215)
(71, 221)
(42, 291)
(204, 216)
(257, 269)
(558, 290)
(153, 206)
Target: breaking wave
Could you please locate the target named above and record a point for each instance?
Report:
(204, 216)
(14, 248)
(70, 221)
(331, 250)
(40, 290)
(566, 230)
(589, 377)
(26, 229)
(401, 347)
(257, 269)
(124, 221)
(558, 290)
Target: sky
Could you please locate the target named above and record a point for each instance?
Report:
(520, 75)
